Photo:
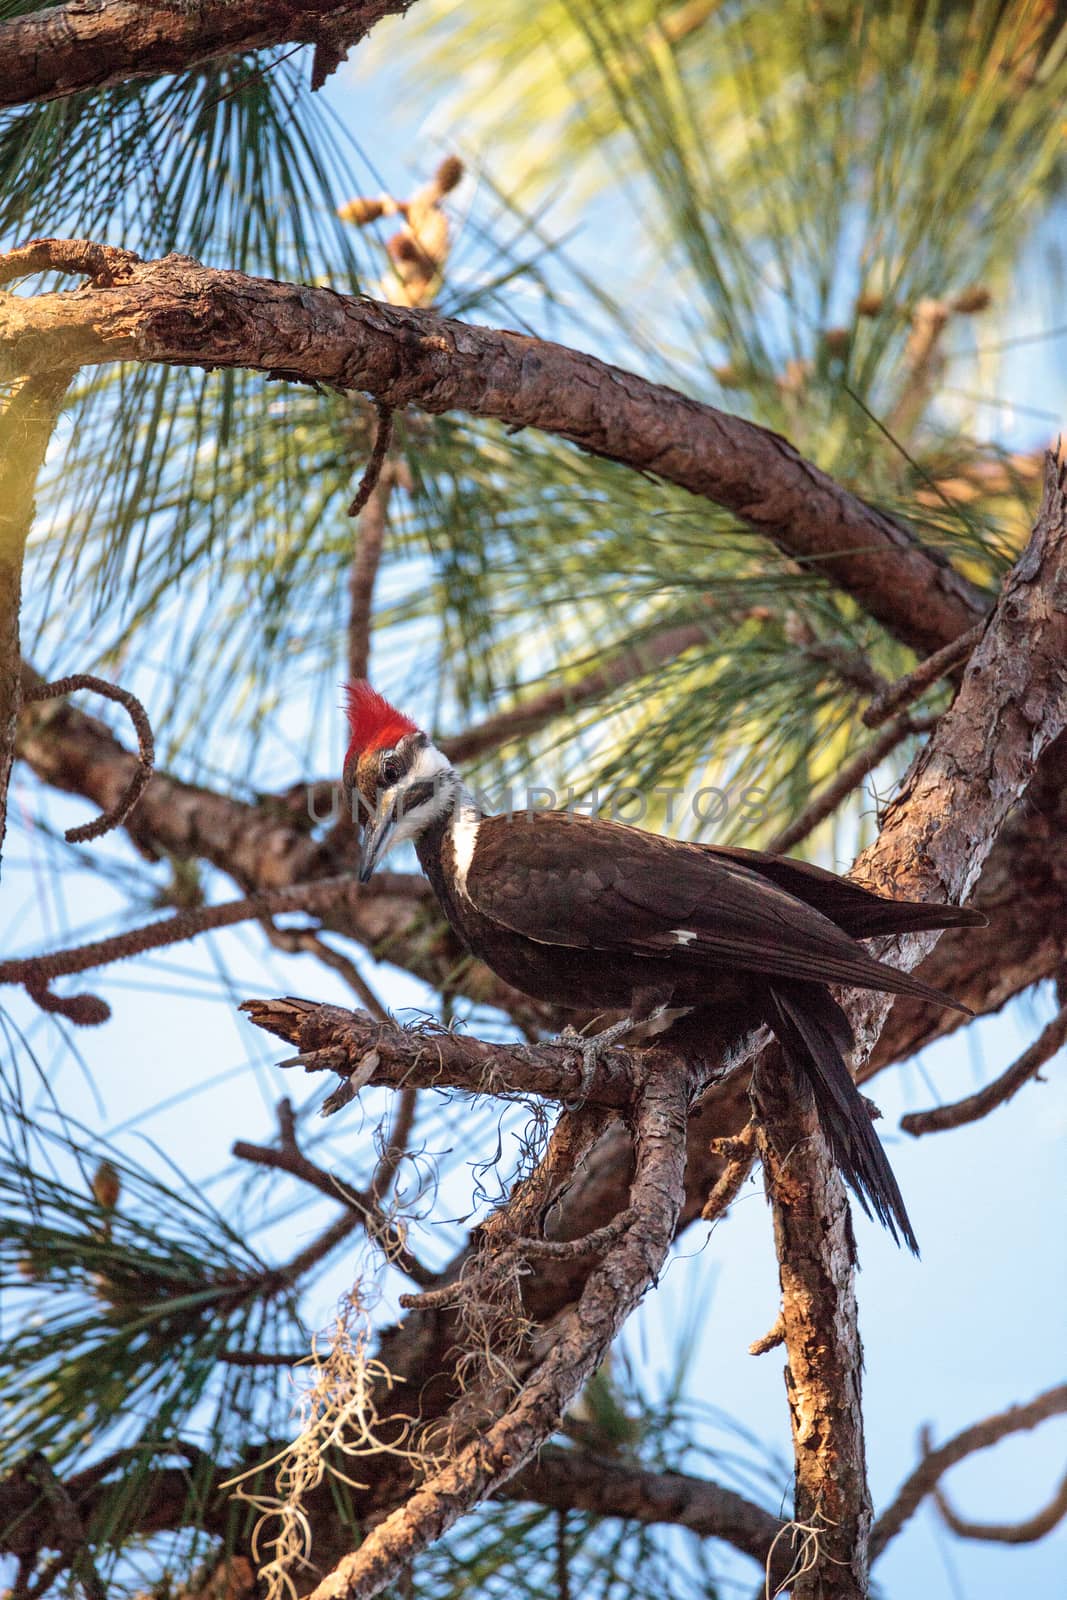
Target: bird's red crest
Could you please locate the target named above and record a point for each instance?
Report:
(374, 724)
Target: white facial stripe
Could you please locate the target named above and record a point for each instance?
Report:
(429, 763)
(430, 766)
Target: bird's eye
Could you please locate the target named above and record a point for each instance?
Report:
(390, 771)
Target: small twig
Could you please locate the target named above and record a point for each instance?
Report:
(974, 1106)
(935, 1463)
(1026, 1532)
(850, 777)
(372, 471)
(362, 1206)
(307, 941)
(738, 1154)
(449, 1294)
(574, 1249)
(262, 1358)
(895, 696)
(317, 1250)
(396, 1146)
(774, 1336)
(115, 815)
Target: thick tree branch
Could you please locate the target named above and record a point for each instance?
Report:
(935, 1463)
(572, 1480)
(331, 1039)
(934, 839)
(1012, 705)
(92, 44)
(178, 312)
(581, 1337)
(817, 1275)
(568, 1479)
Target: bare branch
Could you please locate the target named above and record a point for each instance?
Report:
(92, 44)
(935, 1463)
(363, 1205)
(949, 810)
(849, 778)
(817, 1274)
(362, 577)
(331, 1039)
(115, 815)
(373, 470)
(39, 971)
(974, 1106)
(307, 942)
(895, 696)
(178, 312)
(572, 1480)
(1026, 1532)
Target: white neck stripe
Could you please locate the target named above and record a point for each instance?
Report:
(463, 831)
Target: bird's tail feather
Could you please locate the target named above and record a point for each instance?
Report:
(816, 1036)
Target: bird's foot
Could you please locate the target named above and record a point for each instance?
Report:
(591, 1050)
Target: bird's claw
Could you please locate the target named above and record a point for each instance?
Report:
(591, 1051)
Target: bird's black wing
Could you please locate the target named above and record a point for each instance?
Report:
(564, 879)
(857, 910)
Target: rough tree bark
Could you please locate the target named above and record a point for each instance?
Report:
(92, 44)
(179, 312)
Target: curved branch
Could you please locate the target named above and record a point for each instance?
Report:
(178, 312)
(997, 1093)
(92, 44)
(935, 1463)
(1026, 1532)
(115, 815)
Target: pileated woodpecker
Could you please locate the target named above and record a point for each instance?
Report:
(597, 916)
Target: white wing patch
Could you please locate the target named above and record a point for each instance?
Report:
(683, 936)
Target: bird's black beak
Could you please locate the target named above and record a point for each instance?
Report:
(376, 837)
